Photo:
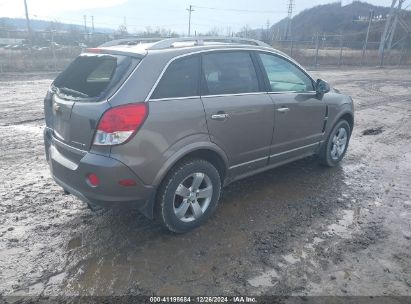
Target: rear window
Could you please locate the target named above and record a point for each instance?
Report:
(91, 77)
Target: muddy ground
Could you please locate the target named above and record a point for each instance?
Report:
(301, 229)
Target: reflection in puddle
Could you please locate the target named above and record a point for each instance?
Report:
(28, 128)
(265, 279)
(291, 259)
(341, 227)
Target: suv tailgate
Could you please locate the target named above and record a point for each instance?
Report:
(78, 97)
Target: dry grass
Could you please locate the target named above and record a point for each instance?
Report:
(37, 60)
(350, 57)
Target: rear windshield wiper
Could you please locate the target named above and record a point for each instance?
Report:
(71, 91)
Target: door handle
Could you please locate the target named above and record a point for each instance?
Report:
(220, 116)
(283, 110)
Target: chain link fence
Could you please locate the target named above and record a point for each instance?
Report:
(339, 50)
(36, 60)
(321, 50)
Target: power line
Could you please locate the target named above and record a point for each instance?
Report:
(237, 10)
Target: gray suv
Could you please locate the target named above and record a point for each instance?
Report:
(163, 126)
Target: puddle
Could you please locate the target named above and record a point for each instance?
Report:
(291, 259)
(34, 289)
(74, 243)
(27, 128)
(57, 279)
(265, 279)
(342, 225)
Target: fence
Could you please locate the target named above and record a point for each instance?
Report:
(322, 50)
(338, 50)
(36, 60)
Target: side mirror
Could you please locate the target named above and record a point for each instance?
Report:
(322, 87)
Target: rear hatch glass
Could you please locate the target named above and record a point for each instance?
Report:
(75, 104)
(91, 77)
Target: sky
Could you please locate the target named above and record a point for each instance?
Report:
(226, 16)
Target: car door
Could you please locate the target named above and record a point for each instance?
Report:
(239, 113)
(299, 111)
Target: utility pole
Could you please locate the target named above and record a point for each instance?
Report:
(341, 49)
(317, 44)
(384, 34)
(289, 16)
(366, 37)
(85, 25)
(28, 25)
(125, 24)
(92, 24)
(53, 50)
(394, 24)
(190, 10)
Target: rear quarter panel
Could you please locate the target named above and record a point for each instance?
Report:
(171, 126)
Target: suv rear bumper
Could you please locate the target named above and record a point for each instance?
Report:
(71, 175)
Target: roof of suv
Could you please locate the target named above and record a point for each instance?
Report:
(179, 46)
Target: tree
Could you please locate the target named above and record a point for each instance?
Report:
(122, 30)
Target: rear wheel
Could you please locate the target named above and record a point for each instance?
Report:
(188, 195)
(336, 145)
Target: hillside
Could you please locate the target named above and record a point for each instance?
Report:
(332, 19)
(42, 25)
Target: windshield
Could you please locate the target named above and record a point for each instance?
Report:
(91, 77)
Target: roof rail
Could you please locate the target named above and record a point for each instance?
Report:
(129, 41)
(169, 43)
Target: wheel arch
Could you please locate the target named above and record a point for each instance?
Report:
(344, 115)
(349, 117)
(207, 151)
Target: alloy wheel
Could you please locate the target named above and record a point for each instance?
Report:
(192, 197)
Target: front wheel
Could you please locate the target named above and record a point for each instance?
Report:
(336, 145)
(188, 195)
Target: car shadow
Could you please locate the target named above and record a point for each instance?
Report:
(121, 247)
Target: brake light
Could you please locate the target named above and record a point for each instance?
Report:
(93, 179)
(119, 124)
(94, 50)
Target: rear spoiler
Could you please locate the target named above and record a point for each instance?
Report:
(102, 51)
(129, 41)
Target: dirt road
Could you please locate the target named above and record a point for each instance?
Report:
(300, 229)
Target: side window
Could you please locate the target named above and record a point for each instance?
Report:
(229, 73)
(180, 79)
(285, 76)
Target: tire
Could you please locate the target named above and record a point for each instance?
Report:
(332, 151)
(189, 195)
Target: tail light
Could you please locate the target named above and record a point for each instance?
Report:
(93, 179)
(119, 124)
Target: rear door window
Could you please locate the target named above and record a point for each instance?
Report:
(91, 77)
(229, 73)
(180, 79)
